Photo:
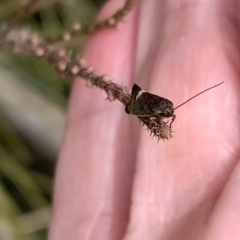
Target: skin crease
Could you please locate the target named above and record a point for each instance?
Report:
(112, 180)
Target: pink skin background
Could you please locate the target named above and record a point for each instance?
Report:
(113, 181)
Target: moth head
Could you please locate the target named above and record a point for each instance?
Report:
(167, 109)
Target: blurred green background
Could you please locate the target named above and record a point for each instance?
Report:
(33, 101)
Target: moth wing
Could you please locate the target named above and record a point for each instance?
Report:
(156, 111)
(144, 104)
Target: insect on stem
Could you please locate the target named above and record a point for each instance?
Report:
(154, 109)
(198, 94)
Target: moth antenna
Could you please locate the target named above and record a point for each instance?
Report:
(198, 95)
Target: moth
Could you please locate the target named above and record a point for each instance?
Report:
(145, 104)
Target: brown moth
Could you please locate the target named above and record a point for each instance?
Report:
(145, 104)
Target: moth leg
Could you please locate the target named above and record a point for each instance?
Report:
(173, 118)
(166, 121)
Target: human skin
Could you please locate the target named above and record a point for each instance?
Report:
(115, 182)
